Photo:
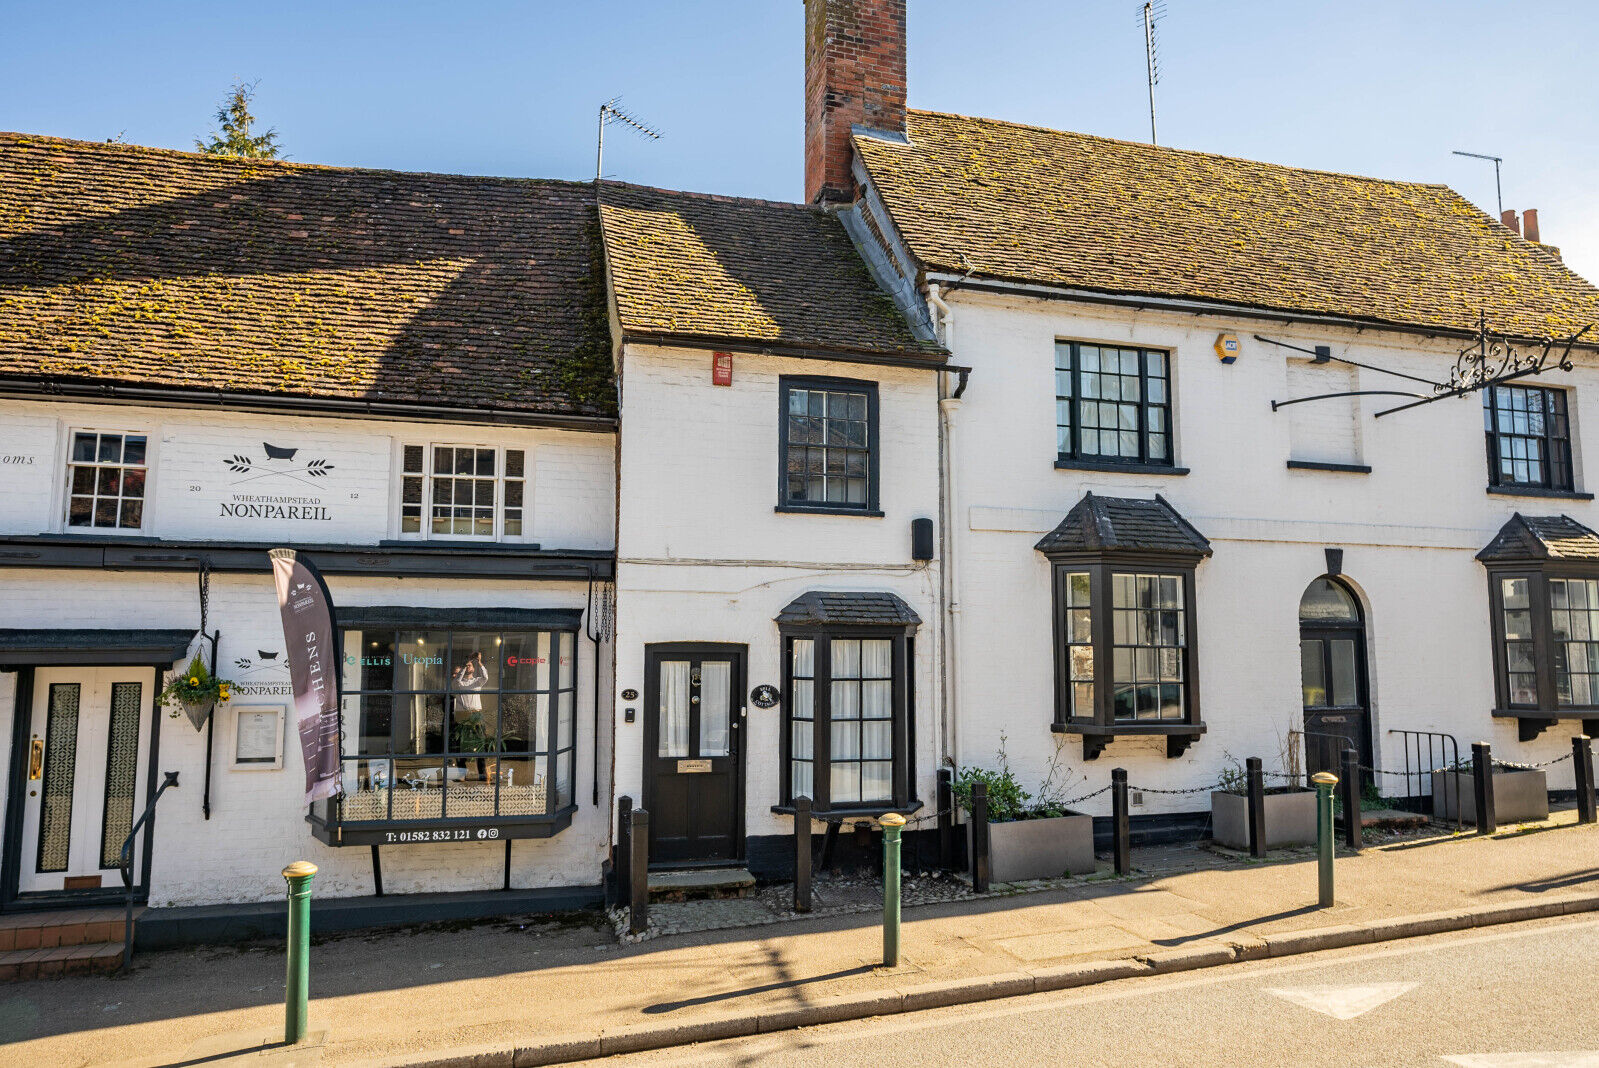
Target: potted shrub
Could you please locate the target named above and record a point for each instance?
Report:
(1521, 794)
(195, 692)
(1290, 812)
(1027, 838)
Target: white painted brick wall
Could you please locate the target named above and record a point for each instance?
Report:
(571, 479)
(1410, 530)
(699, 482)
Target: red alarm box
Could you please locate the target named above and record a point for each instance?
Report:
(722, 369)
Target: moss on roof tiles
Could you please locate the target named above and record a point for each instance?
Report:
(1022, 203)
(154, 267)
(715, 268)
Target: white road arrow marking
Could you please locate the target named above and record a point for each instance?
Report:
(1343, 1002)
(1589, 1059)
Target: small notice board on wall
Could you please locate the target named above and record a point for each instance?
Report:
(258, 736)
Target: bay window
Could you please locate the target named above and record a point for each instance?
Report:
(847, 733)
(1543, 589)
(456, 726)
(1123, 594)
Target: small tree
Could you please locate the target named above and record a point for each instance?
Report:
(234, 118)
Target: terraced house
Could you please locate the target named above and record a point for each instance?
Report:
(1006, 441)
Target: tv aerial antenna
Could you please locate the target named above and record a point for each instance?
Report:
(1150, 13)
(611, 112)
(1497, 160)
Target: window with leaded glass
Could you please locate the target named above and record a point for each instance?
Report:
(462, 491)
(106, 480)
(1529, 440)
(1515, 607)
(1112, 404)
(1574, 628)
(1148, 636)
(829, 445)
(1079, 637)
(846, 718)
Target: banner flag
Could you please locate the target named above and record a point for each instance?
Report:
(310, 639)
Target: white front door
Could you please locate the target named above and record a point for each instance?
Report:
(87, 744)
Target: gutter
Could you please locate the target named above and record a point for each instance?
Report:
(1140, 302)
(96, 392)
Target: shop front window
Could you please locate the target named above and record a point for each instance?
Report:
(449, 725)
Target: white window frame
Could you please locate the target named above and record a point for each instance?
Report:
(426, 533)
(63, 509)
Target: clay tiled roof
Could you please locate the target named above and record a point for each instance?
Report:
(159, 268)
(1542, 537)
(1124, 524)
(707, 269)
(847, 608)
(1024, 204)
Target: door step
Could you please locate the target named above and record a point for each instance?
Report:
(691, 884)
(42, 945)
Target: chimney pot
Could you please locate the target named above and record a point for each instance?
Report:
(854, 73)
(1529, 224)
(1508, 217)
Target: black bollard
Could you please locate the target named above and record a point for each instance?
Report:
(624, 848)
(802, 854)
(1121, 821)
(979, 838)
(1349, 783)
(946, 819)
(1482, 784)
(638, 895)
(1582, 768)
(1255, 777)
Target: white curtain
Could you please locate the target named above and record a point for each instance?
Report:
(715, 689)
(674, 709)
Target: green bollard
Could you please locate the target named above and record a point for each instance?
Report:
(892, 824)
(298, 986)
(1325, 781)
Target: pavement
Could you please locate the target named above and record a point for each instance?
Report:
(554, 989)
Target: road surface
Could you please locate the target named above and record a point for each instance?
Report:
(1522, 996)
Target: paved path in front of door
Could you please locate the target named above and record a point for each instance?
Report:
(385, 997)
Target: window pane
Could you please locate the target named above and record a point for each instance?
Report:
(674, 711)
(715, 691)
(1312, 674)
(1342, 653)
(846, 653)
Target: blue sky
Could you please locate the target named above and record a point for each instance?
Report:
(1381, 87)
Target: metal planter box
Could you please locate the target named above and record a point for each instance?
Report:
(1038, 849)
(1290, 819)
(1520, 795)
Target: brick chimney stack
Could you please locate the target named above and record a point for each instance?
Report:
(854, 74)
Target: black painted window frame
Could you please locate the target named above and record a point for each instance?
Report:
(548, 762)
(1539, 577)
(904, 771)
(1075, 453)
(789, 383)
(1558, 473)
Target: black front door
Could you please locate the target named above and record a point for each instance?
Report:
(694, 765)
(1332, 665)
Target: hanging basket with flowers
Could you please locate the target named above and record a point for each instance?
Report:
(195, 692)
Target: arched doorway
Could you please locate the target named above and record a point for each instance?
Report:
(1332, 667)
